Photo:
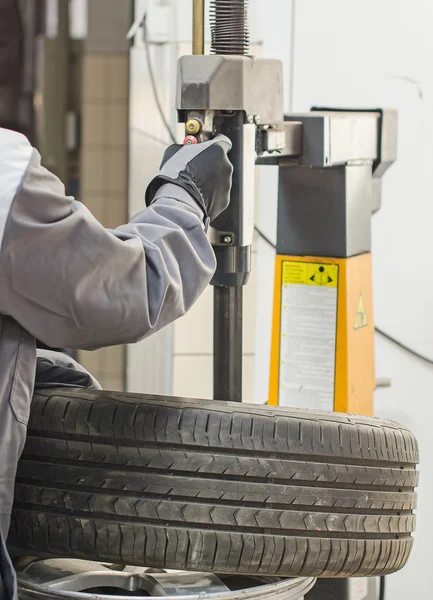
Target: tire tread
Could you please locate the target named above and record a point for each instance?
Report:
(195, 485)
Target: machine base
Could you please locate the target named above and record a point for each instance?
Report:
(323, 334)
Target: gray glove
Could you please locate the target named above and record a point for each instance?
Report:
(203, 170)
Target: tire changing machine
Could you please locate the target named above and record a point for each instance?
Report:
(331, 162)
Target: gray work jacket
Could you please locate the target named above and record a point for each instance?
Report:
(69, 282)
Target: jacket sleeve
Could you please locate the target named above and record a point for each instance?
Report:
(72, 283)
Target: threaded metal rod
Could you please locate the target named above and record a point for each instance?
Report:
(229, 26)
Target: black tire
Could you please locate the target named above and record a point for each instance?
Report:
(211, 486)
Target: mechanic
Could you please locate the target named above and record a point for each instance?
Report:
(67, 281)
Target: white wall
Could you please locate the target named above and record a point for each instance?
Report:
(368, 54)
(149, 363)
(277, 43)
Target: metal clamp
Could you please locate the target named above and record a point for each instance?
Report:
(232, 83)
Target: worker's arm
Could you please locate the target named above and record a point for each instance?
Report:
(70, 282)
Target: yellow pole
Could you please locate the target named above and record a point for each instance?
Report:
(198, 27)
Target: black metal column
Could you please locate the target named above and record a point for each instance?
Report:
(228, 343)
(233, 269)
(229, 27)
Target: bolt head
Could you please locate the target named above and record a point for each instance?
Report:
(189, 140)
(250, 119)
(227, 239)
(193, 126)
(256, 119)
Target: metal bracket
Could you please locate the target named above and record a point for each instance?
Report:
(232, 83)
(386, 149)
(273, 143)
(330, 179)
(329, 137)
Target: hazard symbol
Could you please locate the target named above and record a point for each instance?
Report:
(361, 314)
(321, 277)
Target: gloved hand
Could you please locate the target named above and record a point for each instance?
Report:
(56, 369)
(51, 375)
(203, 170)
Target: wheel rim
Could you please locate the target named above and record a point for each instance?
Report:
(65, 579)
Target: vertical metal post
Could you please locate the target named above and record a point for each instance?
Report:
(228, 343)
(229, 36)
(51, 111)
(232, 272)
(198, 27)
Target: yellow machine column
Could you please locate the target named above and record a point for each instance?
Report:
(323, 325)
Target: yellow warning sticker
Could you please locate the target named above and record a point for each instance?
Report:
(303, 273)
(361, 314)
(308, 334)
